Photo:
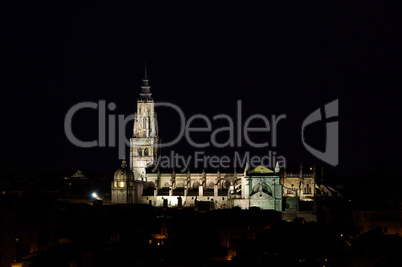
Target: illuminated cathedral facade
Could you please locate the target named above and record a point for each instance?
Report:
(260, 187)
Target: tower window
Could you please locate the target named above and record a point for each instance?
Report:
(146, 152)
(140, 152)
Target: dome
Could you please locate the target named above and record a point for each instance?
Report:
(124, 173)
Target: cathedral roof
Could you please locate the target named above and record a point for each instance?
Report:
(124, 173)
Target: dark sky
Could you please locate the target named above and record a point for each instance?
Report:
(277, 58)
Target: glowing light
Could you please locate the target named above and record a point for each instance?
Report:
(94, 195)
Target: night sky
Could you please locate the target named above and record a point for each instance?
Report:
(276, 58)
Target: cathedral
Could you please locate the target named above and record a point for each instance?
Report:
(261, 187)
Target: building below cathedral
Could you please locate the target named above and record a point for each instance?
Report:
(252, 187)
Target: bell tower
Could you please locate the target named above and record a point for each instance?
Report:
(144, 143)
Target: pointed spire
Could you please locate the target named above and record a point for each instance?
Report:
(301, 170)
(322, 174)
(246, 169)
(145, 88)
(314, 172)
(277, 169)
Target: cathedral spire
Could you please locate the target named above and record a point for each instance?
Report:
(277, 169)
(145, 92)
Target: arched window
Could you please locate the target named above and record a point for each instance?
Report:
(145, 152)
(265, 188)
(139, 152)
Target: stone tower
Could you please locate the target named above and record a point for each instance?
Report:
(144, 145)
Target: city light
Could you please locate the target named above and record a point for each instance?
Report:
(95, 196)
